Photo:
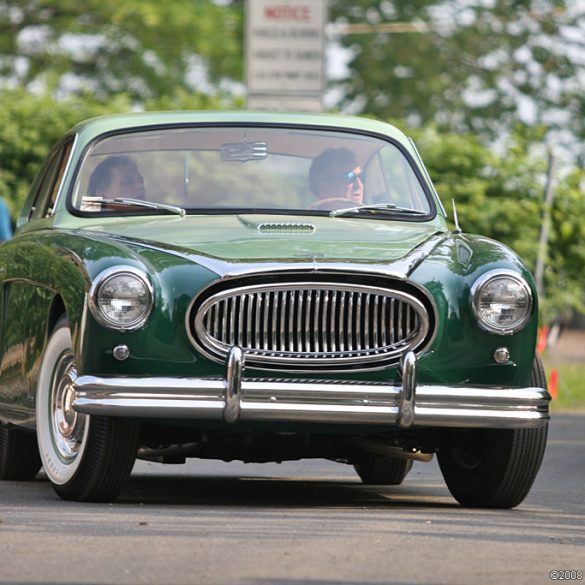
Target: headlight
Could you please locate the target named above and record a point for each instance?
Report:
(121, 298)
(502, 301)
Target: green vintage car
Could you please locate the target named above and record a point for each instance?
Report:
(260, 287)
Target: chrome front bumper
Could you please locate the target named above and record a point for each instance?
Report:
(236, 399)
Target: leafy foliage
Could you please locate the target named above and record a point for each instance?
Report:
(474, 66)
(144, 48)
(567, 247)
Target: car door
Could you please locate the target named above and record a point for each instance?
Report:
(23, 298)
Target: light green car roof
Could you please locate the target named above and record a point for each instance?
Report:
(93, 127)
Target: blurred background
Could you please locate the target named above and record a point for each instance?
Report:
(492, 92)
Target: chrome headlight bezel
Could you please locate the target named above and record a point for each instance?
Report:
(107, 276)
(479, 286)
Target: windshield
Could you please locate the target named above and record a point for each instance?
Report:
(244, 170)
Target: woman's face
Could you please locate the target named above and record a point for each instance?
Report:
(125, 181)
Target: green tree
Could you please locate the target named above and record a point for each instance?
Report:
(566, 257)
(144, 48)
(478, 66)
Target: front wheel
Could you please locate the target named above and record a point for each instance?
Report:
(85, 458)
(495, 468)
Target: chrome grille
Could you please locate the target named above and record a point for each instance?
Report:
(310, 325)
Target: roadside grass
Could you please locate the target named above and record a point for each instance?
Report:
(570, 383)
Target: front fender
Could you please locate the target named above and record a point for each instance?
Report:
(462, 351)
(161, 346)
(43, 277)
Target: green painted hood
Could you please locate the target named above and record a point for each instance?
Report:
(249, 238)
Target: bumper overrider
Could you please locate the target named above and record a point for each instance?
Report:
(237, 398)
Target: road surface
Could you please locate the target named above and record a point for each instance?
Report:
(308, 522)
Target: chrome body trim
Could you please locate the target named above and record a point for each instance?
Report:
(235, 367)
(407, 406)
(302, 330)
(238, 399)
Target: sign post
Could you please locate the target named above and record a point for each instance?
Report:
(285, 54)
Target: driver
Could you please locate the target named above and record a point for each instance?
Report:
(335, 179)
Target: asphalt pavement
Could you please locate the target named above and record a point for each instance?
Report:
(309, 523)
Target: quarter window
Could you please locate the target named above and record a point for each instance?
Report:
(50, 206)
(49, 187)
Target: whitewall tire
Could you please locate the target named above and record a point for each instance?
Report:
(85, 458)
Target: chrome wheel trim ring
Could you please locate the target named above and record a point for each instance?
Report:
(67, 426)
(62, 434)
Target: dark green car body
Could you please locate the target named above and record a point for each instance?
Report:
(49, 269)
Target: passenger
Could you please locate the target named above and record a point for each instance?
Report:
(335, 177)
(116, 176)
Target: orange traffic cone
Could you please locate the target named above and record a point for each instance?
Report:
(542, 339)
(553, 383)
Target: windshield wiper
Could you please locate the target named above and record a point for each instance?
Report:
(377, 208)
(148, 204)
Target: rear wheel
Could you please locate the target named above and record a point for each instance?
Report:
(85, 458)
(376, 470)
(19, 454)
(495, 468)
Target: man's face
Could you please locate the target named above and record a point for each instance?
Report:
(346, 185)
(125, 181)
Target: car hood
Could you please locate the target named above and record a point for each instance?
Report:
(224, 241)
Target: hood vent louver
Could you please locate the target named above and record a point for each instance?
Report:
(286, 228)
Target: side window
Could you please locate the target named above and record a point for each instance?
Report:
(43, 186)
(49, 186)
(50, 205)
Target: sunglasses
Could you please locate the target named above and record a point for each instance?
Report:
(350, 177)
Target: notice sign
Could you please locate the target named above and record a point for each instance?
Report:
(285, 50)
